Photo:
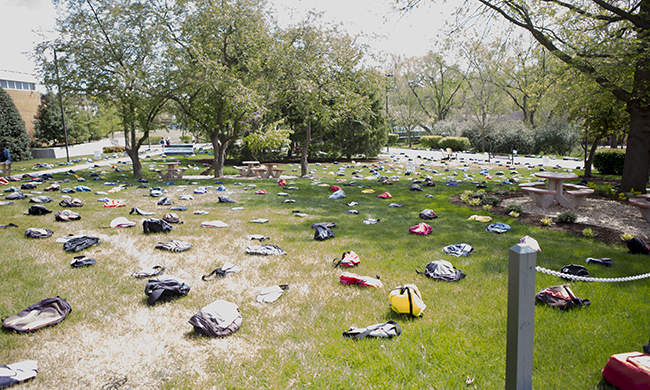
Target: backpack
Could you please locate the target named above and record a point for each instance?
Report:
(3, 156)
(165, 202)
(48, 311)
(265, 250)
(174, 246)
(497, 227)
(560, 296)
(573, 269)
(636, 245)
(428, 214)
(442, 270)
(38, 233)
(77, 244)
(406, 299)
(67, 215)
(365, 281)
(171, 218)
(221, 272)
(38, 210)
(82, 261)
(166, 287)
(323, 233)
(220, 318)
(348, 259)
(387, 329)
(421, 229)
(153, 225)
(74, 202)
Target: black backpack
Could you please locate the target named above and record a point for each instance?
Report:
(38, 210)
(166, 287)
(77, 244)
(153, 225)
(442, 270)
(560, 296)
(636, 245)
(323, 233)
(48, 311)
(220, 318)
(574, 269)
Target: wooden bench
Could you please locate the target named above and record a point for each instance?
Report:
(643, 205)
(541, 196)
(576, 197)
(183, 149)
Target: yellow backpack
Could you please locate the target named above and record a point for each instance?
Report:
(406, 299)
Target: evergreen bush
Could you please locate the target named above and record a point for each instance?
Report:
(609, 161)
(431, 141)
(455, 143)
(567, 217)
(12, 129)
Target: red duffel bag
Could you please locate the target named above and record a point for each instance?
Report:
(628, 371)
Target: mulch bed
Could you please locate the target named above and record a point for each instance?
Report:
(603, 234)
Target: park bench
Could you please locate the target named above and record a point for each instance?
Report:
(541, 196)
(643, 205)
(182, 149)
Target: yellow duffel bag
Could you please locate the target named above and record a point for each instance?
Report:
(406, 299)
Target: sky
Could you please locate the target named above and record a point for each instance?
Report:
(385, 30)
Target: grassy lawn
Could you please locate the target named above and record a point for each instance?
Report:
(296, 342)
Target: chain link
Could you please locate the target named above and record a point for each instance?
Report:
(590, 279)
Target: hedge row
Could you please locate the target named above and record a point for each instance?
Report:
(438, 142)
(609, 161)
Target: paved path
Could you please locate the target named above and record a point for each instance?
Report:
(480, 157)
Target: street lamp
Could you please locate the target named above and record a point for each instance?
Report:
(388, 130)
(65, 130)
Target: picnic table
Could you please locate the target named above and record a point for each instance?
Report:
(272, 170)
(171, 170)
(544, 197)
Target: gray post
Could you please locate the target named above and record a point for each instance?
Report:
(521, 317)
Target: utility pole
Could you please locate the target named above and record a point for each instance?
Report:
(388, 130)
(65, 130)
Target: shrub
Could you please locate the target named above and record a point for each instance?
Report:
(502, 138)
(546, 221)
(514, 207)
(567, 217)
(609, 161)
(487, 207)
(627, 236)
(513, 214)
(113, 149)
(491, 200)
(475, 202)
(587, 232)
(455, 143)
(431, 141)
(556, 136)
(392, 138)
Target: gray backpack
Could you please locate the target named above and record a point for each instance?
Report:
(220, 318)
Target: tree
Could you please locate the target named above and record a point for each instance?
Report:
(48, 126)
(435, 85)
(12, 129)
(111, 52)
(406, 109)
(318, 85)
(219, 51)
(606, 41)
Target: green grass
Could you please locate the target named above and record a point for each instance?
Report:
(296, 341)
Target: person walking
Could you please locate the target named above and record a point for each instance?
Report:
(5, 160)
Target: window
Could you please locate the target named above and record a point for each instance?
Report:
(11, 85)
(3, 83)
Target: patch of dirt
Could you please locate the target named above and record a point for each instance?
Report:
(608, 218)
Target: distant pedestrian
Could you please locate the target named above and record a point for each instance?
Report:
(162, 142)
(5, 160)
(169, 141)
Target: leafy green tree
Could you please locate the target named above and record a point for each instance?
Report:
(48, 126)
(219, 51)
(319, 85)
(12, 129)
(111, 51)
(607, 42)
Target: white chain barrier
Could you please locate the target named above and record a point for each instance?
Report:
(590, 279)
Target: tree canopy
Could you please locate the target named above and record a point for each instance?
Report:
(12, 129)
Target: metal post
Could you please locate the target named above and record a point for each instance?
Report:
(521, 317)
(65, 130)
(388, 130)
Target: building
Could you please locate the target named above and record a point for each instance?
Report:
(21, 87)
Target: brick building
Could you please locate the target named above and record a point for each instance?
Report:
(21, 87)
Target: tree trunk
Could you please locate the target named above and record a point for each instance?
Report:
(304, 168)
(590, 160)
(637, 156)
(219, 155)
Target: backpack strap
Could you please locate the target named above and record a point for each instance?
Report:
(336, 262)
(218, 274)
